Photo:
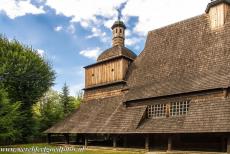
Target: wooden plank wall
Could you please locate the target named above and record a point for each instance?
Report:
(106, 72)
(218, 15)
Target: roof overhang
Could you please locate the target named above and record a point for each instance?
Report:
(105, 84)
(106, 60)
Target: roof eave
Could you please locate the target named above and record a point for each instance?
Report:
(105, 84)
(112, 58)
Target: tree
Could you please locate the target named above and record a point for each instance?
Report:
(78, 99)
(48, 110)
(66, 100)
(9, 115)
(26, 76)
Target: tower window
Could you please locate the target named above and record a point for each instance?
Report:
(116, 30)
(112, 70)
(92, 75)
(120, 30)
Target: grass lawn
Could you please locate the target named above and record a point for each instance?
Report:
(86, 151)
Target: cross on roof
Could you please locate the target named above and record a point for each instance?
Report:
(119, 14)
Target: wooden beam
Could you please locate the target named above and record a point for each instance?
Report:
(228, 145)
(114, 141)
(48, 138)
(225, 93)
(223, 144)
(77, 138)
(147, 142)
(125, 141)
(66, 138)
(169, 143)
(86, 142)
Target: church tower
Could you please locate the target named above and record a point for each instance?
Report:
(118, 29)
(218, 11)
(106, 77)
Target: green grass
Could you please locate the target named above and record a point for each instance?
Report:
(87, 151)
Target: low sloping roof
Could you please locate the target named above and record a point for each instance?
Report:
(184, 57)
(106, 115)
(125, 120)
(206, 115)
(110, 116)
(116, 51)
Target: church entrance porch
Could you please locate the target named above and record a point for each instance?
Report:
(210, 142)
(188, 142)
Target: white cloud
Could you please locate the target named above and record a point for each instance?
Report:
(151, 14)
(91, 53)
(132, 41)
(154, 14)
(109, 23)
(71, 29)
(128, 32)
(84, 10)
(58, 28)
(17, 8)
(85, 23)
(41, 52)
(96, 33)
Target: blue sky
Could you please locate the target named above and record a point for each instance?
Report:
(71, 34)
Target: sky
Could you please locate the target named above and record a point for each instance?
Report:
(70, 34)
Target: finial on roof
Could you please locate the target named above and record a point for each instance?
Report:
(119, 14)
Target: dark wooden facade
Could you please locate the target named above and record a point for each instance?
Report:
(174, 95)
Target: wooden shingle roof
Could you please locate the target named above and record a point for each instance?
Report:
(110, 116)
(184, 57)
(101, 116)
(116, 51)
(207, 115)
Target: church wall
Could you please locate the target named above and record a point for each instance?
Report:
(218, 15)
(103, 92)
(177, 98)
(106, 72)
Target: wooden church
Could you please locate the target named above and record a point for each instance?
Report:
(173, 96)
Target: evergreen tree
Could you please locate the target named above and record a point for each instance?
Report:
(65, 99)
(9, 115)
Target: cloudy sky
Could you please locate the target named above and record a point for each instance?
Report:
(72, 33)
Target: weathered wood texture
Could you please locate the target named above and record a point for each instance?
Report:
(118, 33)
(180, 58)
(118, 41)
(97, 95)
(106, 72)
(147, 142)
(218, 15)
(228, 145)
